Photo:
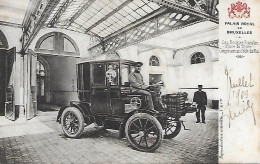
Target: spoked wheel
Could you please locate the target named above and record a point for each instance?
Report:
(144, 132)
(72, 122)
(172, 128)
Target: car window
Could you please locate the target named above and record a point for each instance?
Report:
(125, 73)
(99, 74)
(112, 73)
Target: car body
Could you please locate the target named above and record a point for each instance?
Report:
(105, 98)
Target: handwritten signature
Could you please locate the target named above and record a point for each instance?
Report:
(235, 92)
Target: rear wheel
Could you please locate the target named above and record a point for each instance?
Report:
(72, 122)
(172, 128)
(144, 132)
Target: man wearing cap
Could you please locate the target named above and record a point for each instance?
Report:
(137, 85)
(200, 97)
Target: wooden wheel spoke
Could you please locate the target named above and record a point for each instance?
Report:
(151, 134)
(148, 130)
(67, 128)
(140, 122)
(135, 131)
(136, 136)
(145, 123)
(145, 141)
(140, 140)
(136, 125)
(75, 129)
(167, 130)
(70, 129)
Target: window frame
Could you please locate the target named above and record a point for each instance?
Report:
(195, 56)
(151, 62)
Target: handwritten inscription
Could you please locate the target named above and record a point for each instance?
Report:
(238, 97)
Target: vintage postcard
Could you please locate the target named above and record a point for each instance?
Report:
(129, 81)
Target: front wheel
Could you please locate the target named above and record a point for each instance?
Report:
(144, 132)
(72, 122)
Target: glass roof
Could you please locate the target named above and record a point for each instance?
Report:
(101, 17)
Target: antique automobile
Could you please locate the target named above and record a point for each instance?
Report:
(105, 98)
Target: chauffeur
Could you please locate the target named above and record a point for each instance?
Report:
(138, 86)
(200, 97)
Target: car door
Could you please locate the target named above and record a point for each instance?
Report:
(99, 95)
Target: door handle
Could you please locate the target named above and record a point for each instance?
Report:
(105, 90)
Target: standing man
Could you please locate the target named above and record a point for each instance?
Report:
(200, 97)
(137, 85)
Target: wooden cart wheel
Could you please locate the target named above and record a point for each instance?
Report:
(144, 132)
(72, 122)
(172, 128)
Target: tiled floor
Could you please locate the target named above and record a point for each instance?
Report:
(41, 140)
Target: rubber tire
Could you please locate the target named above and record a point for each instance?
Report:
(80, 117)
(175, 133)
(155, 122)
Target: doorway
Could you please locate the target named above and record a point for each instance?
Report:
(41, 82)
(7, 60)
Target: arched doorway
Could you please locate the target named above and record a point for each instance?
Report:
(7, 61)
(43, 80)
(57, 55)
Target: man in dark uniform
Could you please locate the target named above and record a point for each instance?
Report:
(200, 97)
(137, 85)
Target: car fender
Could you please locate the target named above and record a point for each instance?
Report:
(84, 109)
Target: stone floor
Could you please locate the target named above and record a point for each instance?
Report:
(41, 140)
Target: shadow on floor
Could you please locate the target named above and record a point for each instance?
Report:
(48, 107)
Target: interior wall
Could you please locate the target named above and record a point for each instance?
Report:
(63, 79)
(188, 75)
(176, 70)
(13, 35)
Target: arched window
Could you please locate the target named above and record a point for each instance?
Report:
(47, 43)
(197, 58)
(56, 43)
(154, 61)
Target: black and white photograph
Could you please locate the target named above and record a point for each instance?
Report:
(110, 81)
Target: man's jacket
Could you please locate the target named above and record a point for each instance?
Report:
(200, 98)
(136, 81)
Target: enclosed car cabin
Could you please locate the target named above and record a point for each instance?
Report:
(94, 86)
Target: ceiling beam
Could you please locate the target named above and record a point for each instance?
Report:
(213, 43)
(59, 13)
(10, 24)
(150, 28)
(79, 12)
(191, 10)
(109, 15)
(35, 19)
(138, 22)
